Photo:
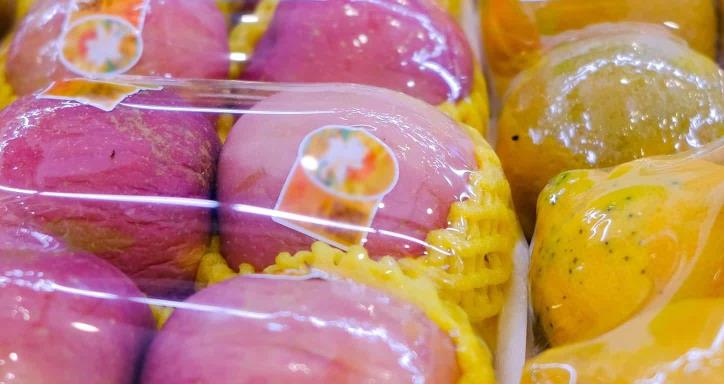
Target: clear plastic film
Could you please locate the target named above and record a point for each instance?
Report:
(416, 47)
(401, 216)
(516, 32)
(626, 273)
(602, 96)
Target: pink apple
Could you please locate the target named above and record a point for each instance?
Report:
(88, 154)
(411, 46)
(433, 153)
(263, 330)
(66, 317)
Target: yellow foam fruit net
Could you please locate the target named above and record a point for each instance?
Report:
(471, 110)
(459, 283)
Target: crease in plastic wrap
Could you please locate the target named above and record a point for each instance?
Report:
(626, 273)
(416, 47)
(341, 233)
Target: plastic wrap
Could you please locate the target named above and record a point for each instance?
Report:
(415, 47)
(517, 31)
(626, 273)
(600, 97)
(375, 237)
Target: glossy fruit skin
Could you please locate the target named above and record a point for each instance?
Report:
(679, 344)
(266, 329)
(433, 156)
(415, 47)
(611, 246)
(89, 157)
(181, 38)
(516, 31)
(65, 317)
(617, 93)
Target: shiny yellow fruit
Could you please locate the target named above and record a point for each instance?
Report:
(602, 97)
(693, 20)
(608, 246)
(681, 344)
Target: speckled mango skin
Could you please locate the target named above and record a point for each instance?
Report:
(611, 245)
(608, 95)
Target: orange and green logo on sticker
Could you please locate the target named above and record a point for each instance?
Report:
(103, 37)
(337, 183)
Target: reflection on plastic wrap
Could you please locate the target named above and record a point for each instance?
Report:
(626, 273)
(416, 204)
(603, 96)
(515, 31)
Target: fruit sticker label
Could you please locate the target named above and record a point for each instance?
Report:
(336, 184)
(103, 37)
(100, 94)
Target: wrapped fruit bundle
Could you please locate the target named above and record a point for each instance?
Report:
(626, 273)
(516, 32)
(62, 39)
(603, 96)
(382, 231)
(413, 47)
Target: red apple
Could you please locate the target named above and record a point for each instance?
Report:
(412, 46)
(181, 38)
(267, 330)
(433, 153)
(66, 317)
(90, 157)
